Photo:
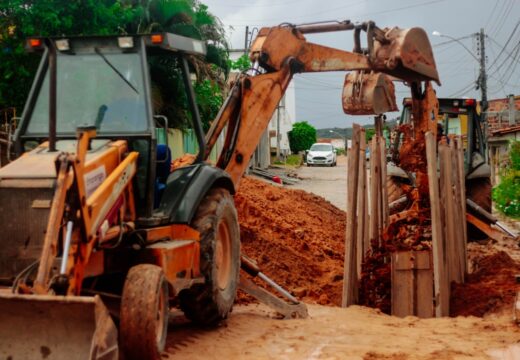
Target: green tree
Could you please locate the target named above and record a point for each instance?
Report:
(241, 64)
(369, 133)
(20, 19)
(507, 194)
(302, 136)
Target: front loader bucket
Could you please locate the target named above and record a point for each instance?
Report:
(407, 55)
(368, 94)
(56, 328)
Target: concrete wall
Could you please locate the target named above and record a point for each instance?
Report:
(503, 113)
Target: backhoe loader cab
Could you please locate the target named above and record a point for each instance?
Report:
(104, 82)
(460, 117)
(456, 116)
(89, 208)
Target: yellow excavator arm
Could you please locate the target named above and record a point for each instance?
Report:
(280, 52)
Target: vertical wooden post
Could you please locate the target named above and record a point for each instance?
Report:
(350, 285)
(374, 176)
(441, 295)
(377, 194)
(450, 215)
(458, 232)
(462, 187)
(384, 191)
(361, 219)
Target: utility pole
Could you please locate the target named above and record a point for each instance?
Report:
(482, 78)
(246, 42)
(482, 85)
(278, 136)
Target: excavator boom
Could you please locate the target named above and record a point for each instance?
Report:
(280, 52)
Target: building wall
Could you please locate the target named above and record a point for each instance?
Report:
(503, 119)
(287, 116)
(499, 115)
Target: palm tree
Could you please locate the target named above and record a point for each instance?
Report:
(192, 19)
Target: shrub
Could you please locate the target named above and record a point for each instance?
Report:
(507, 194)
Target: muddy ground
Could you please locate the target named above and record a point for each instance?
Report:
(297, 239)
(335, 333)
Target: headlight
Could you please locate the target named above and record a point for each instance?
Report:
(309, 156)
(329, 156)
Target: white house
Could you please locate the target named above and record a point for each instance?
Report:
(283, 118)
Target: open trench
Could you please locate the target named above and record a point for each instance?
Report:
(297, 238)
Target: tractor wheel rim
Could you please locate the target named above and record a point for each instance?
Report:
(223, 255)
(159, 326)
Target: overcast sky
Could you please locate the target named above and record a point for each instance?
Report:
(318, 96)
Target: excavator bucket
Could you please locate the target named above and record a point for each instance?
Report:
(368, 94)
(56, 328)
(406, 54)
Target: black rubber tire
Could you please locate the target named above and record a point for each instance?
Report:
(479, 190)
(144, 313)
(209, 303)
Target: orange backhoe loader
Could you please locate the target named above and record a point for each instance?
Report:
(94, 225)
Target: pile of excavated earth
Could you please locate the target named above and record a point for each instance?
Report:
(297, 239)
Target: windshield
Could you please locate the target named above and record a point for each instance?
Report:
(321, 147)
(105, 90)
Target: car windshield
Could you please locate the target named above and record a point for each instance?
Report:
(321, 147)
(105, 90)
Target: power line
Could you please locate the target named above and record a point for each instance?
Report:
(506, 44)
(500, 18)
(506, 15)
(255, 22)
(452, 40)
(462, 90)
(251, 6)
(491, 14)
(498, 44)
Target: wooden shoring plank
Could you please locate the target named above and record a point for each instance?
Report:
(447, 190)
(462, 184)
(361, 219)
(350, 284)
(441, 294)
(445, 285)
(458, 230)
(366, 232)
(412, 283)
(378, 193)
(402, 284)
(374, 220)
(424, 307)
(385, 212)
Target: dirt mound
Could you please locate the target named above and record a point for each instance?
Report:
(296, 237)
(489, 289)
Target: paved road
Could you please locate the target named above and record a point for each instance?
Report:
(328, 182)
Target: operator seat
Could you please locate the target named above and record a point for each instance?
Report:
(163, 164)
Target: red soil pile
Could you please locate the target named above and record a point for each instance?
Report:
(297, 239)
(490, 288)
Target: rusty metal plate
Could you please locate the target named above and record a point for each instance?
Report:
(56, 327)
(368, 94)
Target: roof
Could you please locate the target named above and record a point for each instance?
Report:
(508, 130)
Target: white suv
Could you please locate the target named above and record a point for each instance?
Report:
(321, 154)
